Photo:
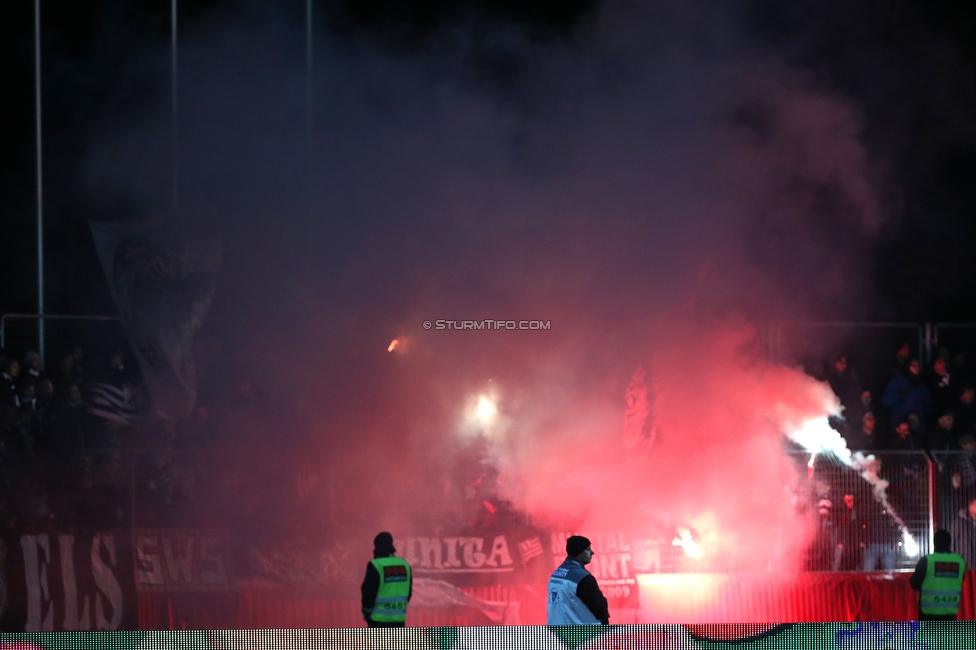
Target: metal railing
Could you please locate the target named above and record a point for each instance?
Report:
(858, 526)
(252, 492)
(20, 333)
(877, 339)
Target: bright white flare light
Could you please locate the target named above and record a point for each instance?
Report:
(911, 547)
(817, 436)
(689, 545)
(485, 411)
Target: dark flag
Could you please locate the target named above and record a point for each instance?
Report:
(162, 275)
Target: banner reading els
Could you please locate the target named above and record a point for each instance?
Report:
(611, 565)
(71, 582)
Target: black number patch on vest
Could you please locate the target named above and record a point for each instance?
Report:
(396, 573)
(946, 569)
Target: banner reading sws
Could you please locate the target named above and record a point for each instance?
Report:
(182, 560)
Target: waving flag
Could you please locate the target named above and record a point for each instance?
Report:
(119, 403)
(162, 275)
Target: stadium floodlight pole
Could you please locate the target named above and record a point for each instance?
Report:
(174, 106)
(40, 178)
(308, 104)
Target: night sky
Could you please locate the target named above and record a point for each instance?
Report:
(906, 66)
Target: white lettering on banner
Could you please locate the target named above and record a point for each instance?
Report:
(452, 558)
(40, 603)
(148, 568)
(106, 582)
(66, 544)
(180, 560)
(499, 553)
(458, 555)
(611, 563)
(473, 557)
(179, 565)
(430, 552)
(38, 591)
(212, 557)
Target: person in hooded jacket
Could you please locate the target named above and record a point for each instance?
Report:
(907, 395)
(574, 595)
(387, 587)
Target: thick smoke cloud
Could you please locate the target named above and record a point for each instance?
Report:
(644, 185)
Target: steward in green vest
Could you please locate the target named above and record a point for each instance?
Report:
(938, 578)
(387, 587)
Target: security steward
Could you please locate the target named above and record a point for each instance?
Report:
(938, 579)
(387, 587)
(574, 596)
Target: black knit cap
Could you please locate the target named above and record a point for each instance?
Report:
(576, 544)
(384, 542)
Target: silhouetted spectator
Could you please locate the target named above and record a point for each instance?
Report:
(43, 395)
(963, 468)
(880, 533)
(863, 437)
(847, 552)
(906, 394)
(942, 437)
(940, 386)
(845, 384)
(824, 545)
(27, 425)
(963, 529)
(72, 425)
(72, 367)
(9, 371)
(904, 439)
(902, 356)
(34, 364)
(965, 410)
(867, 401)
(116, 370)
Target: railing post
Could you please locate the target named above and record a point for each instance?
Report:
(928, 343)
(933, 500)
(132, 494)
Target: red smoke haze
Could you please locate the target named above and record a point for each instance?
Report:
(717, 464)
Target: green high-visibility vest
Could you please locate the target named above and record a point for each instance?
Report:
(391, 599)
(942, 586)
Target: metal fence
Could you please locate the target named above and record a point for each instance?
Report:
(861, 526)
(959, 341)
(271, 494)
(869, 347)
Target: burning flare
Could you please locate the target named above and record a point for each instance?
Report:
(816, 436)
(685, 541)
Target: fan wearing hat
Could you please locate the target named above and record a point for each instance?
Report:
(387, 587)
(574, 596)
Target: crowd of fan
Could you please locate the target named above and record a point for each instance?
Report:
(69, 457)
(926, 409)
(66, 457)
(916, 408)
